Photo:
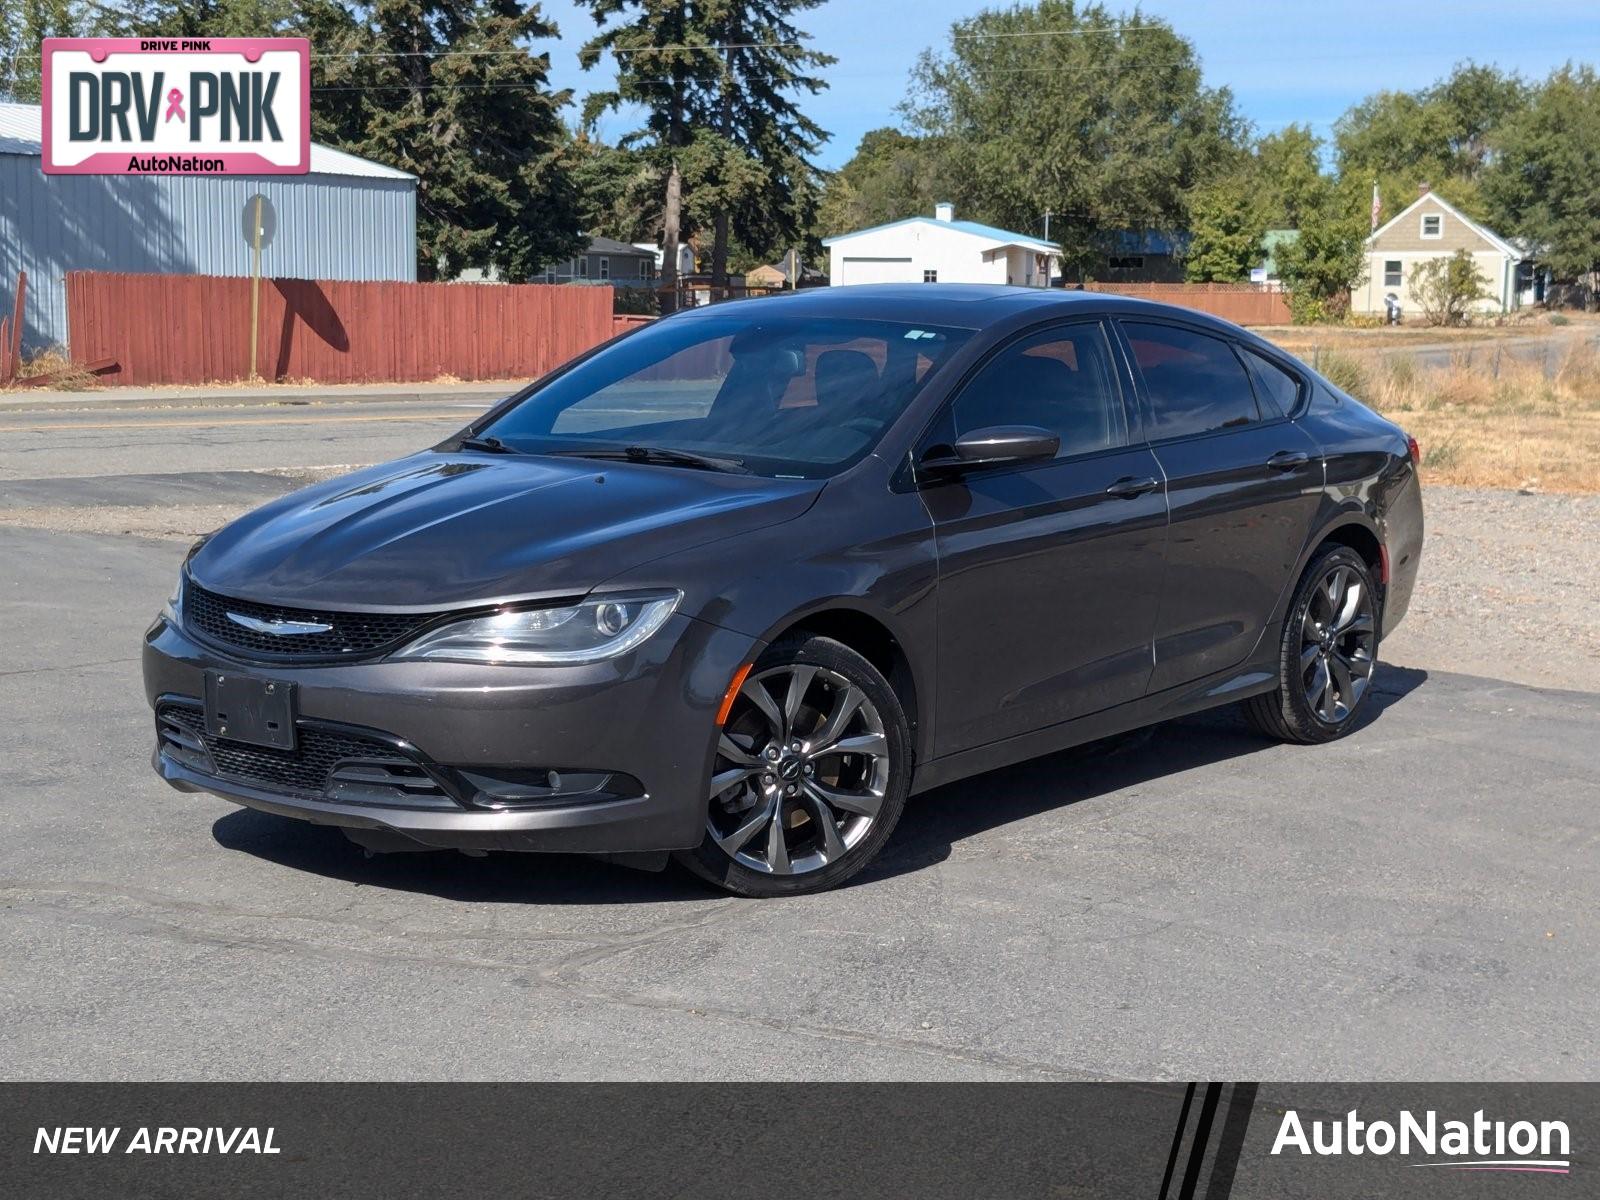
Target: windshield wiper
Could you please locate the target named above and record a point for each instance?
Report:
(489, 444)
(662, 455)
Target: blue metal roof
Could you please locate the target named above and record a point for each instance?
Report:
(973, 227)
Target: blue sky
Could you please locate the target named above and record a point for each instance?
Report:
(1286, 61)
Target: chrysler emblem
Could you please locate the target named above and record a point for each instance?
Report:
(279, 628)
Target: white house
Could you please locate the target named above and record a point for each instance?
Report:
(1431, 227)
(940, 249)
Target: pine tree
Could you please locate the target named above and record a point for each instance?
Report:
(449, 91)
(665, 67)
(23, 24)
(763, 62)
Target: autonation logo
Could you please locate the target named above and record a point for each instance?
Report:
(1476, 1145)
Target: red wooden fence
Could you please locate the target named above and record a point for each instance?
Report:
(196, 328)
(1241, 303)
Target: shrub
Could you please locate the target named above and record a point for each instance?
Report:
(1560, 319)
(1447, 288)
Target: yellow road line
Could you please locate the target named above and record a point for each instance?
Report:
(454, 414)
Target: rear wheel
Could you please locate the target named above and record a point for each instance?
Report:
(1328, 655)
(810, 776)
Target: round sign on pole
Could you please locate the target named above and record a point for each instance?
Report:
(269, 220)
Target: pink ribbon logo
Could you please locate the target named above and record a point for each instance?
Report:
(175, 105)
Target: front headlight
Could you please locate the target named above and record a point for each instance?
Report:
(172, 610)
(598, 628)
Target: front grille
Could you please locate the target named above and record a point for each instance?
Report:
(353, 635)
(335, 763)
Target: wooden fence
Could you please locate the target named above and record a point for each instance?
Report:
(196, 328)
(1241, 303)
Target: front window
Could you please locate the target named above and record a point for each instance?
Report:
(930, 277)
(1391, 272)
(605, 268)
(1061, 381)
(1432, 226)
(798, 397)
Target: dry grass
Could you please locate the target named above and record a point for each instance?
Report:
(66, 376)
(1487, 422)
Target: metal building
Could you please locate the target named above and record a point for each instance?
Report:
(348, 219)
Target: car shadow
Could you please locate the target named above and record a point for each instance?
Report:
(936, 820)
(933, 823)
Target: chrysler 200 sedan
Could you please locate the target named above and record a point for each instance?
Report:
(731, 587)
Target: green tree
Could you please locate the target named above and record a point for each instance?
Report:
(764, 63)
(449, 91)
(891, 176)
(1319, 267)
(195, 18)
(619, 190)
(1445, 289)
(23, 24)
(1439, 135)
(666, 67)
(1288, 175)
(1226, 225)
(1104, 120)
(1545, 182)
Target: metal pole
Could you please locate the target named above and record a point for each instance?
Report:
(255, 286)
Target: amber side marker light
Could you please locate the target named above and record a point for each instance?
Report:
(733, 690)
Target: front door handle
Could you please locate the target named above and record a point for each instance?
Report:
(1288, 460)
(1130, 486)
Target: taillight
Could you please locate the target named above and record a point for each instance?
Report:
(1414, 449)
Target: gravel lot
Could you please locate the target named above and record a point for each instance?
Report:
(1509, 589)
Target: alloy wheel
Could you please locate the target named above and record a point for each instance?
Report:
(1337, 644)
(801, 772)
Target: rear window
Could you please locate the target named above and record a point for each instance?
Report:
(1278, 391)
(1195, 383)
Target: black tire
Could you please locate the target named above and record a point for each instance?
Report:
(1289, 712)
(890, 770)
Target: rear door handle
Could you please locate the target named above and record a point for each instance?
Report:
(1288, 460)
(1128, 487)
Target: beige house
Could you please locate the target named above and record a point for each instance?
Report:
(1430, 227)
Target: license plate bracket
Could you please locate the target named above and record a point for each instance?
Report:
(244, 708)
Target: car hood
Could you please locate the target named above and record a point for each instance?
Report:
(439, 530)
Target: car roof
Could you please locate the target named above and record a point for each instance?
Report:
(956, 305)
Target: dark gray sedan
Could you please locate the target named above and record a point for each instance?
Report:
(733, 586)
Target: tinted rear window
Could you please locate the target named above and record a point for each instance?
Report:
(1196, 383)
(1275, 388)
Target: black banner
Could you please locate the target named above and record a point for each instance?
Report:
(1161, 1141)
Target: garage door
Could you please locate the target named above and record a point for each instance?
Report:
(877, 270)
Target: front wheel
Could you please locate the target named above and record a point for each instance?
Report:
(1328, 656)
(811, 773)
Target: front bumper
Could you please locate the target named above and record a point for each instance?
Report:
(647, 717)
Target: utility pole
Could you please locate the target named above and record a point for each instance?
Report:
(1047, 216)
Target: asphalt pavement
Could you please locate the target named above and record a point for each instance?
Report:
(1416, 901)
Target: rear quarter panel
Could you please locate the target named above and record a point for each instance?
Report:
(1372, 480)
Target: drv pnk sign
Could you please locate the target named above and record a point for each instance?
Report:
(177, 106)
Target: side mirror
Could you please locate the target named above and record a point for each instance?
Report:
(993, 445)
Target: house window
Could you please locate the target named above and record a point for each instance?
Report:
(549, 274)
(644, 268)
(605, 268)
(1126, 262)
(1391, 272)
(580, 267)
(1432, 225)
(930, 277)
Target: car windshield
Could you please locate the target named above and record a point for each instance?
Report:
(799, 396)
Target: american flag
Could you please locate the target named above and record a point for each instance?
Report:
(1377, 206)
